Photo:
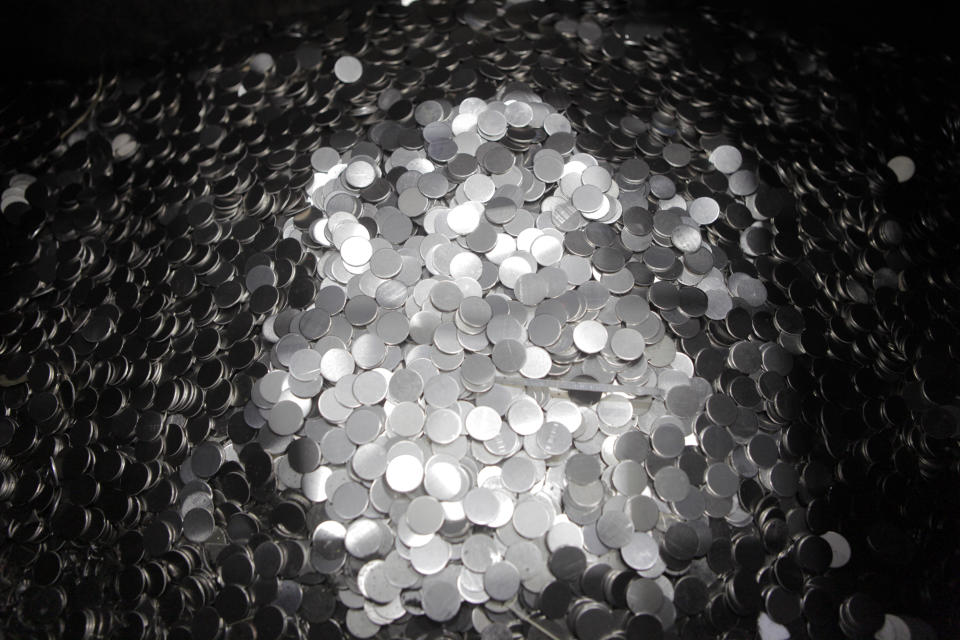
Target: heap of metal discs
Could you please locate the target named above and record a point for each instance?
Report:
(470, 320)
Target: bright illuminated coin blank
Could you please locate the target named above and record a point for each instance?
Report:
(432, 557)
(686, 238)
(360, 624)
(464, 218)
(479, 187)
(475, 311)
(743, 182)
(590, 336)
(840, 548)
(425, 515)
(313, 485)
(442, 391)
(615, 411)
(704, 210)
(405, 386)
(272, 385)
(399, 571)
(525, 416)
(641, 552)
(328, 538)
(404, 473)
(406, 419)
(547, 250)
(586, 495)
(370, 387)
(336, 363)
(124, 145)
(470, 584)
(386, 263)
(719, 304)
(512, 268)
(726, 159)
(548, 165)
(348, 69)
(527, 558)
(597, 176)
(481, 506)
(903, 167)
(370, 461)
(564, 534)
(532, 519)
(530, 289)
(538, 363)
(556, 123)
(443, 480)
(505, 507)
(356, 251)
(443, 426)
(483, 423)
(479, 552)
(324, 159)
(566, 413)
(492, 124)
(587, 198)
(374, 583)
(614, 528)
(305, 365)
(466, 265)
(360, 174)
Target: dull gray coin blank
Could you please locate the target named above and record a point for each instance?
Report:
(614, 528)
(671, 484)
(501, 581)
(519, 474)
(627, 344)
(629, 477)
(425, 515)
(349, 500)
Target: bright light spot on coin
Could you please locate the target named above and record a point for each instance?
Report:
(404, 473)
